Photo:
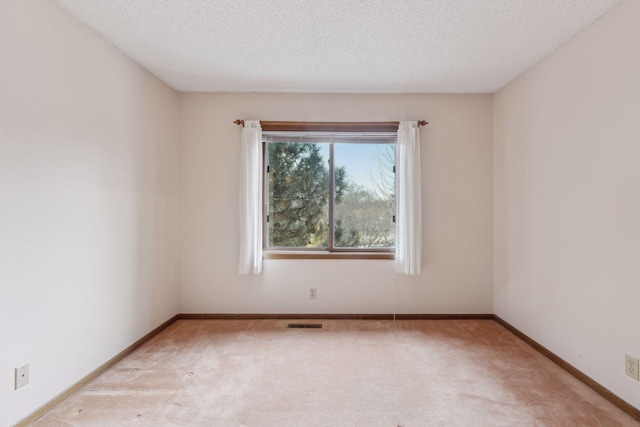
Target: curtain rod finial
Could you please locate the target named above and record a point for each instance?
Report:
(239, 122)
(422, 122)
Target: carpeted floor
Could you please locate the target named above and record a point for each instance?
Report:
(349, 373)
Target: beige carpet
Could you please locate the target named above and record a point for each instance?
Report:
(350, 373)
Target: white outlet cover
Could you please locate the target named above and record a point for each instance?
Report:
(631, 366)
(22, 376)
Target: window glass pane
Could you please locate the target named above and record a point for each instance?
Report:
(298, 184)
(364, 196)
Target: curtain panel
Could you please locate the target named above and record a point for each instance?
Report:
(250, 203)
(409, 221)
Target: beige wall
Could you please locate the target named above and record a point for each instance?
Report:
(457, 184)
(87, 192)
(567, 200)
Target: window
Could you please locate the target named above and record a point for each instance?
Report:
(329, 191)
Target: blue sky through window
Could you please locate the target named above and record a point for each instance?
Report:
(362, 162)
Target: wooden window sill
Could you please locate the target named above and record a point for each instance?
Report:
(327, 255)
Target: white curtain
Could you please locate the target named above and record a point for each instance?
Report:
(251, 199)
(409, 221)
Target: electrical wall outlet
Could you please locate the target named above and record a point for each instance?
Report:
(22, 376)
(312, 293)
(631, 366)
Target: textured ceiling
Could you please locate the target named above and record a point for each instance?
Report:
(365, 46)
